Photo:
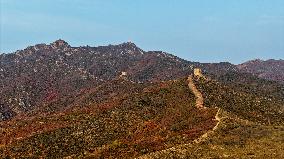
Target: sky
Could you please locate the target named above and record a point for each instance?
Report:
(196, 30)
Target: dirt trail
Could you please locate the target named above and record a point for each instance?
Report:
(206, 135)
(218, 118)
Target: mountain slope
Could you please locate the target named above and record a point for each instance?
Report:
(51, 76)
(151, 117)
(42, 74)
(120, 101)
(270, 69)
(158, 117)
(244, 130)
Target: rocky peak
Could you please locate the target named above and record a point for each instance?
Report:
(60, 44)
(130, 47)
(129, 43)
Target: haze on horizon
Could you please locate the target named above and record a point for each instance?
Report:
(204, 31)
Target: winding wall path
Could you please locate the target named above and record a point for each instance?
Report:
(180, 150)
(196, 92)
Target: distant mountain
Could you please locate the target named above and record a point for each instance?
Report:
(269, 69)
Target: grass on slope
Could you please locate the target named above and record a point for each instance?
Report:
(234, 139)
(159, 117)
(254, 137)
(261, 135)
(241, 100)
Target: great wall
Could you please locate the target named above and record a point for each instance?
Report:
(180, 150)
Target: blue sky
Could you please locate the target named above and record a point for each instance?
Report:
(196, 30)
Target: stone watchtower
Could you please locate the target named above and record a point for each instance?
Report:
(197, 72)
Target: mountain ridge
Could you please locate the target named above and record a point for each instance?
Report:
(120, 101)
(45, 73)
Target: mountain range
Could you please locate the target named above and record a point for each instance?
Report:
(121, 101)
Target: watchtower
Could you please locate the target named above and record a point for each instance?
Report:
(197, 72)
